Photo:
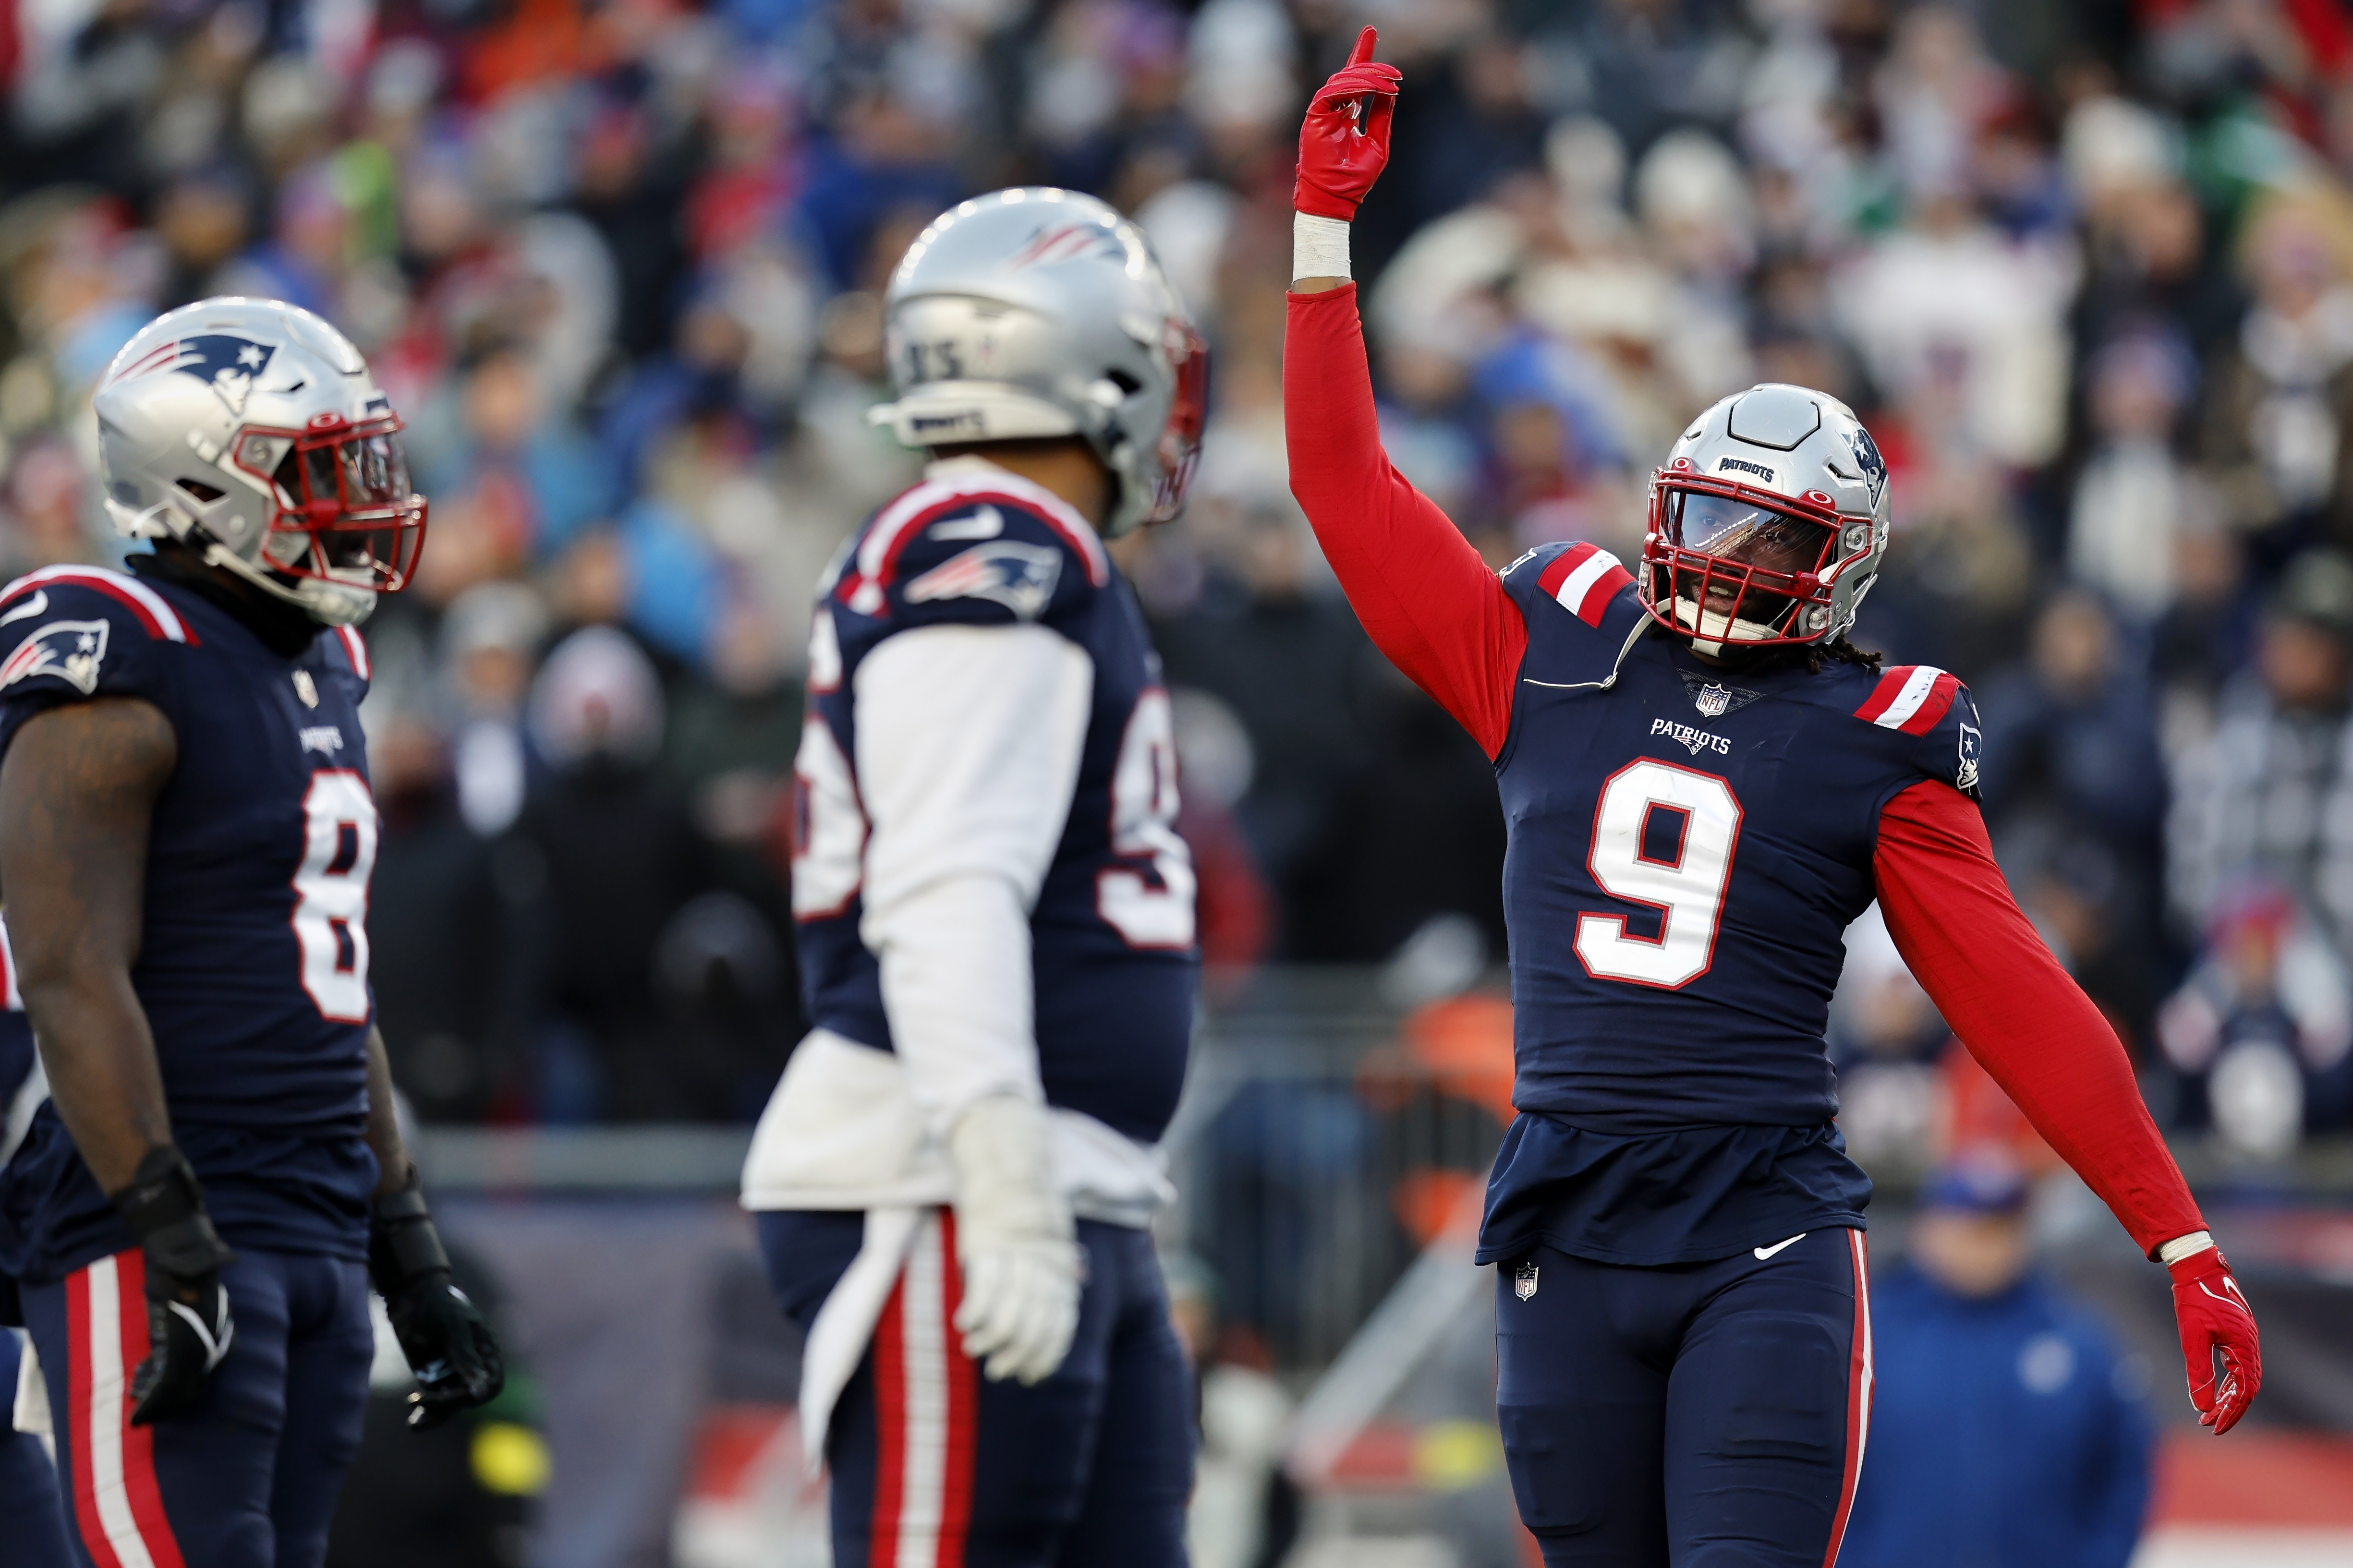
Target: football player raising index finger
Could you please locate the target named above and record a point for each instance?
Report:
(1705, 781)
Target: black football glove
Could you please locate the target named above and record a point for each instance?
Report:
(448, 1346)
(189, 1329)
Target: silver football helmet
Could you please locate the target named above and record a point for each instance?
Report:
(1767, 521)
(251, 430)
(1035, 312)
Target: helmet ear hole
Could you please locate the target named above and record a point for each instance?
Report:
(205, 493)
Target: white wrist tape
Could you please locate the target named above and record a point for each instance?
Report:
(1319, 247)
(2182, 1247)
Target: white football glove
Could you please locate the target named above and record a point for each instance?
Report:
(1015, 1240)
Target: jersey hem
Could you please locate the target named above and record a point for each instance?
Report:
(1702, 1252)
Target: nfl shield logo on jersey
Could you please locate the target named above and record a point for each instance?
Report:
(1523, 1282)
(1712, 700)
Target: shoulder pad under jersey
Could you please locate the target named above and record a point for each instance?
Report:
(1583, 579)
(1933, 706)
(68, 632)
(974, 550)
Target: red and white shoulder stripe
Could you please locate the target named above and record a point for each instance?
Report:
(878, 554)
(1911, 698)
(356, 649)
(150, 609)
(10, 995)
(1585, 578)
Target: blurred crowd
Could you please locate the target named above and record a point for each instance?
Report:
(2086, 269)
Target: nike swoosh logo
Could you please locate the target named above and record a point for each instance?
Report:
(2231, 1300)
(32, 606)
(1765, 1252)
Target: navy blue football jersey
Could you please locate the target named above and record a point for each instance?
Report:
(252, 966)
(17, 1053)
(1112, 935)
(1688, 844)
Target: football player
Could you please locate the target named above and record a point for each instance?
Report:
(28, 1479)
(1704, 782)
(185, 840)
(996, 916)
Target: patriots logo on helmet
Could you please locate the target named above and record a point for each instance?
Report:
(1867, 459)
(1021, 577)
(70, 651)
(225, 362)
(1063, 242)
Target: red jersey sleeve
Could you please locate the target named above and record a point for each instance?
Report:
(1425, 597)
(2019, 1012)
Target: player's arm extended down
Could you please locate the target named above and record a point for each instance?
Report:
(968, 744)
(76, 793)
(2040, 1038)
(1423, 595)
(2021, 1014)
(448, 1345)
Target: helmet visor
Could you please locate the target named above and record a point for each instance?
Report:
(1750, 535)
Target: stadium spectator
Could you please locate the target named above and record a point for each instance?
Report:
(2004, 1426)
(2263, 793)
(619, 266)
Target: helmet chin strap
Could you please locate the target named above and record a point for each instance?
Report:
(330, 602)
(1711, 630)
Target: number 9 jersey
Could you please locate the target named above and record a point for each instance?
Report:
(1689, 843)
(253, 955)
(985, 703)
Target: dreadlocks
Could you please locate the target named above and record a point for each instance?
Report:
(1838, 650)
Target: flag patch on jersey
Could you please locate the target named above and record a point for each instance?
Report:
(1965, 769)
(1021, 577)
(70, 651)
(1585, 578)
(1911, 697)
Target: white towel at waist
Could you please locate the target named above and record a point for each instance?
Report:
(842, 1132)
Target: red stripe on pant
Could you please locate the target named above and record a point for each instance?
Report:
(101, 1394)
(890, 1427)
(926, 1402)
(1858, 1397)
(964, 1408)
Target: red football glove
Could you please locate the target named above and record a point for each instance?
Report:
(1345, 143)
(2214, 1316)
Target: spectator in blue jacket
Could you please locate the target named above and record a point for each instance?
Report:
(2006, 1431)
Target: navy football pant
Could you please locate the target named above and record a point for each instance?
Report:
(32, 1521)
(1703, 1415)
(933, 1463)
(248, 1479)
